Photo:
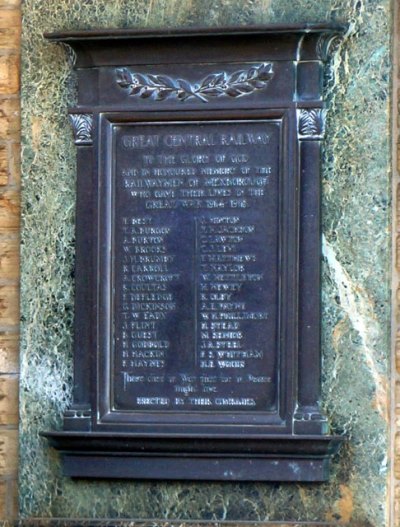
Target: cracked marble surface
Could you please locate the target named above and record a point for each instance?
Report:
(356, 259)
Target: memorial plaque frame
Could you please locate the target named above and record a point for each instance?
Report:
(212, 140)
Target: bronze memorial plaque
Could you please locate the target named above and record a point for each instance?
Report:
(197, 259)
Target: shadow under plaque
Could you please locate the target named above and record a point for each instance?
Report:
(197, 347)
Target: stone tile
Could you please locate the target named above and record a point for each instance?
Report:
(4, 170)
(397, 396)
(12, 499)
(10, 119)
(398, 168)
(14, 164)
(3, 499)
(9, 305)
(8, 400)
(10, 29)
(9, 353)
(397, 506)
(7, 4)
(9, 259)
(397, 354)
(9, 209)
(398, 186)
(8, 452)
(397, 456)
(9, 74)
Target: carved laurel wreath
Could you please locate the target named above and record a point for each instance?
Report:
(160, 87)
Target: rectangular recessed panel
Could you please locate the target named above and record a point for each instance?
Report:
(195, 264)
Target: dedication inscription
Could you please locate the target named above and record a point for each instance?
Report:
(196, 265)
(197, 312)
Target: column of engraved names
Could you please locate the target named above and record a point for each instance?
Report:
(225, 268)
(147, 297)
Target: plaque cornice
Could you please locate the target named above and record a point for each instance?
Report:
(151, 33)
(298, 42)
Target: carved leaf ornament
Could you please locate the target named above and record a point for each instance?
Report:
(311, 122)
(160, 87)
(82, 124)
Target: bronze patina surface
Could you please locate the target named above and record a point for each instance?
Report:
(197, 328)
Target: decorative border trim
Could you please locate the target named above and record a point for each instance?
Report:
(161, 87)
(311, 123)
(82, 127)
(71, 54)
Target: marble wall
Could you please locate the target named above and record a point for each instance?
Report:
(356, 269)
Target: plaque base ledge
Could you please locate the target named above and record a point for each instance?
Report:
(130, 456)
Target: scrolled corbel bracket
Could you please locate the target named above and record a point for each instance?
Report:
(313, 70)
(328, 45)
(327, 49)
(70, 53)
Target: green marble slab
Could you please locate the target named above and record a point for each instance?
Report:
(356, 260)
